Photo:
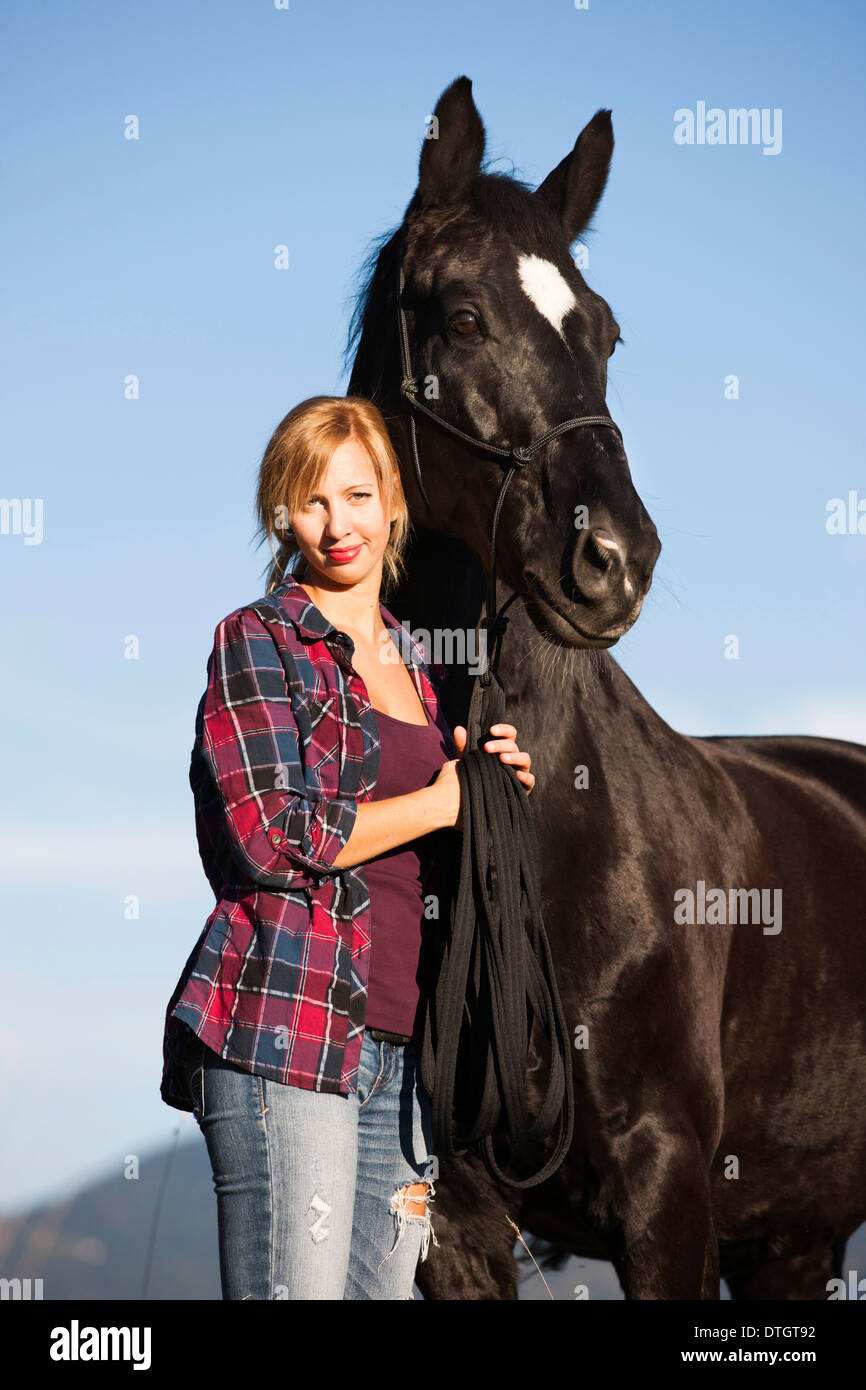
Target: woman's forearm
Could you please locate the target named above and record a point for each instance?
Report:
(382, 825)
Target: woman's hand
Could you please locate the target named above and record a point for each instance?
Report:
(448, 783)
(506, 746)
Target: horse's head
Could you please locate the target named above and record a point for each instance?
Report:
(507, 340)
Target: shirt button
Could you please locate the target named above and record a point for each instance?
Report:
(276, 837)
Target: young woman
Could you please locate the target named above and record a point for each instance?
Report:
(324, 775)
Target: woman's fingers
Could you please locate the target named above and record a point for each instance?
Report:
(506, 740)
(506, 747)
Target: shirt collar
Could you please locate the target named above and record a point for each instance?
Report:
(313, 626)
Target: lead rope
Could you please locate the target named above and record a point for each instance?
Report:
(495, 976)
(493, 969)
(495, 972)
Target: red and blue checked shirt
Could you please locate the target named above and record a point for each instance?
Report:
(286, 747)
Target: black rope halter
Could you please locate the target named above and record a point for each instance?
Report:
(493, 969)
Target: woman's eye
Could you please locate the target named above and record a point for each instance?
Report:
(464, 322)
(311, 500)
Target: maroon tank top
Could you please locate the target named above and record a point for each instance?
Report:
(410, 756)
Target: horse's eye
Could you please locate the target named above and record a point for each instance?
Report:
(464, 322)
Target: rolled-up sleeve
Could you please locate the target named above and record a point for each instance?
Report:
(250, 742)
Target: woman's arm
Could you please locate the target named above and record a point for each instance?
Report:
(382, 825)
(250, 743)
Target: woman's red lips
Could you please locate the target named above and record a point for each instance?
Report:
(342, 555)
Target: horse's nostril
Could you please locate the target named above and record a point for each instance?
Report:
(602, 539)
(598, 565)
(602, 550)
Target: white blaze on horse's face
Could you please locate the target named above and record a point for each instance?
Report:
(548, 289)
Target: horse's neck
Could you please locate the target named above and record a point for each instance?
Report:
(571, 698)
(552, 689)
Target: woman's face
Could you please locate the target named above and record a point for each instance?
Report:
(342, 529)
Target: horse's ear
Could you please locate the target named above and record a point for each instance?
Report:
(453, 151)
(573, 189)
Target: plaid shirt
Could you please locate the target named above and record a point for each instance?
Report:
(286, 747)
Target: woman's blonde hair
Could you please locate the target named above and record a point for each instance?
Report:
(296, 459)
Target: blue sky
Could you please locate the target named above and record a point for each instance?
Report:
(154, 257)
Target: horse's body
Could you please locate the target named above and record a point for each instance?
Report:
(720, 1076)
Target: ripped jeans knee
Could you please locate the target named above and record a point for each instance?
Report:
(411, 1202)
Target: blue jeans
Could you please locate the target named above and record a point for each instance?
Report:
(307, 1182)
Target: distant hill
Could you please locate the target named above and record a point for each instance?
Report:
(94, 1245)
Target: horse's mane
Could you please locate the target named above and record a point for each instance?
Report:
(497, 198)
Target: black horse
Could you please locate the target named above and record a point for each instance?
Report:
(703, 896)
